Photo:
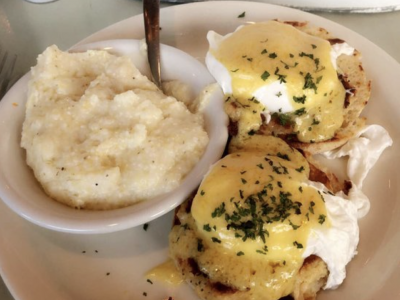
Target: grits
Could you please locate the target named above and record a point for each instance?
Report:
(99, 135)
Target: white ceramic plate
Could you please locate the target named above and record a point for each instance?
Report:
(38, 264)
(22, 193)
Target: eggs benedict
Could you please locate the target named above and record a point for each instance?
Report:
(289, 80)
(258, 228)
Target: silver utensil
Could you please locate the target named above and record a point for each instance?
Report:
(151, 12)
(7, 74)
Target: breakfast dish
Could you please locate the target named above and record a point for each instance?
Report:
(100, 135)
(308, 88)
(105, 261)
(261, 225)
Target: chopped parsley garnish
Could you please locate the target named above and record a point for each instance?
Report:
(260, 166)
(300, 189)
(272, 55)
(207, 227)
(240, 253)
(295, 227)
(283, 156)
(315, 122)
(321, 219)
(264, 51)
(265, 75)
(301, 169)
(149, 281)
(242, 15)
(311, 208)
(145, 226)
(301, 99)
(309, 83)
(313, 46)
(298, 245)
(318, 79)
(234, 71)
(263, 251)
(244, 181)
(279, 94)
(215, 240)
(309, 55)
(281, 78)
(287, 66)
(202, 192)
(300, 111)
(283, 119)
(219, 211)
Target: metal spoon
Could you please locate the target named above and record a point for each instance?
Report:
(151, 12)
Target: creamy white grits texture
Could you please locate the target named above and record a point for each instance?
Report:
(99, 135)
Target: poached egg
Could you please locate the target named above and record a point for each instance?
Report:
(274, 68)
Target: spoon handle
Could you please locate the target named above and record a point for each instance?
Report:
(151, 12)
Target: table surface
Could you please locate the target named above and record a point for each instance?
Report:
(26, 29)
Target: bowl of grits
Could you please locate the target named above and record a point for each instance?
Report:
(90, 145)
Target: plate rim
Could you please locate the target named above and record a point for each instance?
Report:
(387, 58)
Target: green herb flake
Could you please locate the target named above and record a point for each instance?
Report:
(298, 245)
(215, 240)
(207, 227)
(315, 122)
(202, 192)
(145, 226)
(313, 46)
(149, 281)
(311, 208)
(264, 51)
(321, 219)
(279, 94)
(301, 99)
(301, 169)
(295, 227)
(242, 15)
(234, 71)
(219, 211)
(265, 75)
(283, 156)
(272, 55)
(240, 253)
(300, 111)
(309, 83)
(260, 166)
(244, 181)
(309, 55)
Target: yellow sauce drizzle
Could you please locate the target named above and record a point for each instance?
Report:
(166, 273)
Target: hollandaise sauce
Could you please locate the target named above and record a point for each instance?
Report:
(253, 214)
(278, 69)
